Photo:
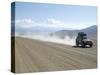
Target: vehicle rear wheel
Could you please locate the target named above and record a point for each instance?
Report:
(83, 45)
(77, 44)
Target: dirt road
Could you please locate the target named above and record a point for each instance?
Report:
(37, 56)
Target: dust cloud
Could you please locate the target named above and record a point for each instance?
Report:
(67, 40)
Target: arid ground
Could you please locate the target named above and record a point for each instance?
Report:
(38, 56)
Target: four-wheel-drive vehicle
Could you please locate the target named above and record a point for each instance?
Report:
(82, 41)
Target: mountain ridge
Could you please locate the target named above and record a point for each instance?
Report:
(90, 31)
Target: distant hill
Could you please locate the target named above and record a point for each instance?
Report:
(90, 31)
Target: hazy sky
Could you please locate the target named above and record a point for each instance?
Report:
(30, 15)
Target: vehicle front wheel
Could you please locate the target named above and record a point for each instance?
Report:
(90, 45)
